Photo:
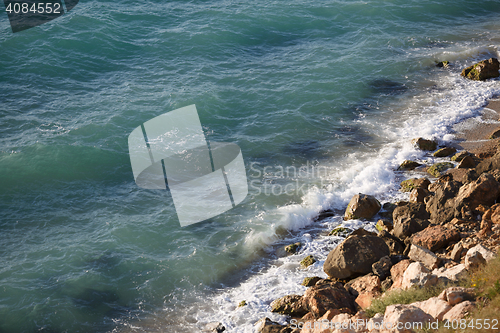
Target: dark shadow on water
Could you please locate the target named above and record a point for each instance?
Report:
(387, 87)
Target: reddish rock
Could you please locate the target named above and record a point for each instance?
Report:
(367, 283)
(466, 163)
(435, 238)
(289, 305)
(459, 311)
(483, 191)
(325, 296)
(397, 272)
(418, 195)
(365, 299)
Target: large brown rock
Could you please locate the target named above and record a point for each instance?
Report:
(441, 205)
(424, 144)
(413, 210)
(397, 272)
(289, 305)
(483, 70)
(435, 238)
(327, 295)
(409, 226)
(362, 206)
(424, 256)
(355, 256)
(362, 284)
(396, 246)
(489, 164)
(266, 325)
(484, 191)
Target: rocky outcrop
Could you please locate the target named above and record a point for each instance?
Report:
(484, 191)
(489, 165)
(362, 206)
(434, 307)
(413, 183)
(289, 305)
(459, 311)
(466, 163)
(424, 144)
(435, 238)
(419, 195)
(483, 70)
(424, 256)
(354, 256)
(396, 246)
(400, 313)
(444, 152)
(441, 205)
(418, 275)
(327, 295)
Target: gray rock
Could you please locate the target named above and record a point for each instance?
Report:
(382, 268)
(426, 257)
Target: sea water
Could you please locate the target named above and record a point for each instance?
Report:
(323, 98)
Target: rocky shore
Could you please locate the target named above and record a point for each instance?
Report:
(447, 230)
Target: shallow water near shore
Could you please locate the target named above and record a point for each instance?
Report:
(322, 97)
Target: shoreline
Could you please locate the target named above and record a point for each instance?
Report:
(474, 139)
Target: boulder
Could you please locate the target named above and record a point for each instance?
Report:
(289, 305)
(435, 238)
(424, 256)
(214, 327)
(441, 206)
(293, 248)
(322, 325)
(438, 169)
(459, 311)
(407, 313)
(460, 156)
(483, 70)
(310, 281)
(489, 164)
(424, 144)
(266, 325)
(397, 272)
(418, 275)
(444, 152)
(443, 64)
(384, 224)
(396, 246)
(474, 260)
(409, 210)
(483, 191)
(355, 256)
(456, 253)
(408, 165)
(362, 284)
(494, 214)
(466, 163)
(455, 273)
(434, 306)
(307, 261)
(455, 295)
(382, 268)
(327, 295)
(419, 195)
(412, 183)
(362, 206)
(408, 226)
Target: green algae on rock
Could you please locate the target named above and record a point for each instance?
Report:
(437, 169)
(424, 144)
(409, 165)
(307, 261)
(483, 70)
(444, 152)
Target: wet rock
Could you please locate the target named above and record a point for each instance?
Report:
(382, 268)
(424, 144)
(266, 325)
(325, 296)
(459, 311)
(424, 256)
(291, 305)
(495, 135)
(340, 231)
(437, 169)
(242, 303)
(460, 156)
(293, 248)
(310, 281)
(444, 152)
(409, 165)
(354, 256)
(215, 327)
(362, 206)
(434, 307)
(443, 64)
(413, 183)
(307, 261)
(483, 70)
(396, 246)
(435, 238)
(418, 275)
(466, 163)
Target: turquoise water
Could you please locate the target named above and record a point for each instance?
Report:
(329, 83)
